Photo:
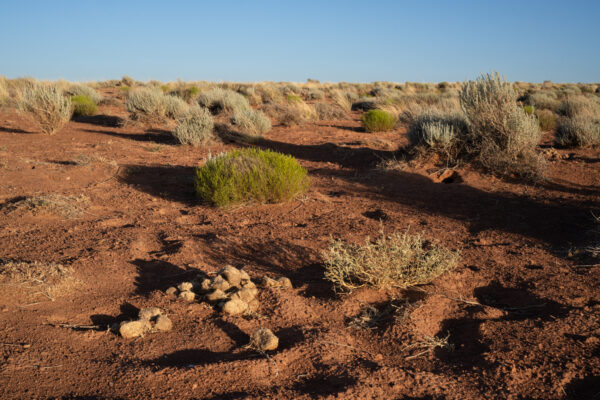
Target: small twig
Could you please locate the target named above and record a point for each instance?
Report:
(71, 326)
(24, 345)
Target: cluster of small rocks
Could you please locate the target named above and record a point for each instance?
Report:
(151, 319)
(231, 290)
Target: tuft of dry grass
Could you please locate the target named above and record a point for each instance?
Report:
(427, 344)
(396, 261)
(63, 206)
(49, 279)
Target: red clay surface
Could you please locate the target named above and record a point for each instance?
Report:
(523, 315)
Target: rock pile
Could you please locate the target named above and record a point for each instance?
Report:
(151, 319)
(231, 290)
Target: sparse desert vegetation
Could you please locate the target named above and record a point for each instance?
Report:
(320, 238)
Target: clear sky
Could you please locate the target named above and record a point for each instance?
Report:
(285, 40)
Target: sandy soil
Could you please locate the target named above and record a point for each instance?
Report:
(521, 311)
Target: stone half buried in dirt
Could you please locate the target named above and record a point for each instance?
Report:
(185, 286)
(232, 275)
(215, 296)
(280, 283)
(134, 329)
(264, 340)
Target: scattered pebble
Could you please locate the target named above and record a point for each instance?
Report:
(187, 295)
(163, 324)
(185, 286)
(149, 313)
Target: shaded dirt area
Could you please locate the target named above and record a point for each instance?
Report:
(521, 310)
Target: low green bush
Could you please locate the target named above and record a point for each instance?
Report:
(378, 121)
(85, 90)
(83, 105)
(547, 119)
(250, 175)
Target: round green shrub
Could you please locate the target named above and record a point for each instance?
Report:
(250, 175)
(378, 121)
(83, 105)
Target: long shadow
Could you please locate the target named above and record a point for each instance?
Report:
(324, 384)
(151, 135)
(100, 120)
(464, 333)
(585, 388)
(175, 183)
(159, 274)
(14, 130)
(279, 257)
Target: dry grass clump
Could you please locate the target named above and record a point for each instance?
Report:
(400, 260)
(46, 105)
(49, 279)
(284, 114)
(223, 101)
(63, 206)
(547, 119)
(250, 175)
(84, 90)
(344, 99)
(502, 137)
(329, 112)
(195, 127)
(252, 123)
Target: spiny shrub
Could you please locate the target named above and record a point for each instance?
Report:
(542, 100)
(378, 121)
(84, 90)
(46, 105)
(344, 99)
(442, 133)
(250, 175)
(579, 105)
(127, 81)
(503, 137)
(83, 105)
(398, 261)
(223, 100)
(251, 122)
(195, 127)
(315, 94)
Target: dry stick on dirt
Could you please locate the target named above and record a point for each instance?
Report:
(429, 343)
(259, 351)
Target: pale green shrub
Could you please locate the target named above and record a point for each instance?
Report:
(503, 137)
(251, 122)
(46, 105)
(223, 100)
(152, 105)
(578, 131)
(195, 127)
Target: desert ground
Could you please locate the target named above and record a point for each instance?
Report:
(517, 317)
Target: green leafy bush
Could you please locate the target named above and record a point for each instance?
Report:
(250, 175)
(378, 121)
(400, 260)
(46, 105)
(83, 105)
(292, 98)
(195, 127)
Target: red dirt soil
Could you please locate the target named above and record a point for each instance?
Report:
(522, 313)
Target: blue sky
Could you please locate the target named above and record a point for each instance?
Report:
(358, 41)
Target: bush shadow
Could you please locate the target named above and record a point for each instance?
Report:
(158, 275)
(158, 136)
